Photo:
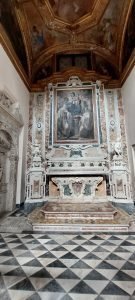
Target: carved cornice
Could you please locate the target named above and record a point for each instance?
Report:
(82, 74)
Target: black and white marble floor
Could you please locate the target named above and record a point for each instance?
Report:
(67, 266)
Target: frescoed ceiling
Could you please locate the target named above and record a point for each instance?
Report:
(94, 35)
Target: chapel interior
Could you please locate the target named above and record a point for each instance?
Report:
(67, 149)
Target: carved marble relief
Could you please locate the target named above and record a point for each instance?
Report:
(35, 176)
(117, 146)
(78, 189)
(10, 123)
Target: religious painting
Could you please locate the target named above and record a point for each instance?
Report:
(75, 116)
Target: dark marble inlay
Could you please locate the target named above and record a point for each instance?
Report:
(132, 257)
(35, 296)
(80, 249)
(100, 249)
(53, 286)
(113, 256)
(94, 275)
(16, 272)
(80, 265)
(56, 264)
(121, 276)
(88, 243)
(3, 246)
(107, 243)
(97, 237)
(128, 266)
(51, 242)
(126, 243)
(71, 242)
(11, 262)
(105, 265)
(113, 237)
(33, 242)
(2, 284)
(82, 288)
(15, 241)
(6, 253)
(44, 237)
(21, 247)
(69, 255)
(91, 256)
(40, 248)
(113, 289)
(120, 249)
(59, 248)
(2, 240)
(79, 237)
(68, 274)
(28, 236)
(47, 255)
(24, 285)
(42, 274)
(33, 263)
(11, 236)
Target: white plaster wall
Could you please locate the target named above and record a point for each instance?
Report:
(128, 93)
(11, 82)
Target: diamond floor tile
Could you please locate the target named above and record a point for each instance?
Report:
(67, 266)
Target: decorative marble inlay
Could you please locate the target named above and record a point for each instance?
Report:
(77, 188)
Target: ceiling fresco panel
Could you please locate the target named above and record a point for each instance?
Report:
(84, 34)
(42, 37)
(71, 10)
(105, 33)
(10, 23)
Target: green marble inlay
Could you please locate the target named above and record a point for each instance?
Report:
(87, 190)
(67, 191)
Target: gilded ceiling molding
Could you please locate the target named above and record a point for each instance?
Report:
(4, 40)
(22, 20)
(128, 68)
(101, 51)
(122, 30)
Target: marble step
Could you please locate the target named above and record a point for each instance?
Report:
(78, 211)
(37, 227)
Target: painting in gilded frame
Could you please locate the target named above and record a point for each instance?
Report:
(75, 116)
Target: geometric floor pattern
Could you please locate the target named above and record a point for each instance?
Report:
(67, 266)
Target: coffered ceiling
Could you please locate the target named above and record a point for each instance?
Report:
(54, 36)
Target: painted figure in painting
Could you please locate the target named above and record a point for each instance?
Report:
(37, 38)
(75, 115)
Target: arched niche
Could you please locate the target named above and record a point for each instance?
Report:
(10, 124)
